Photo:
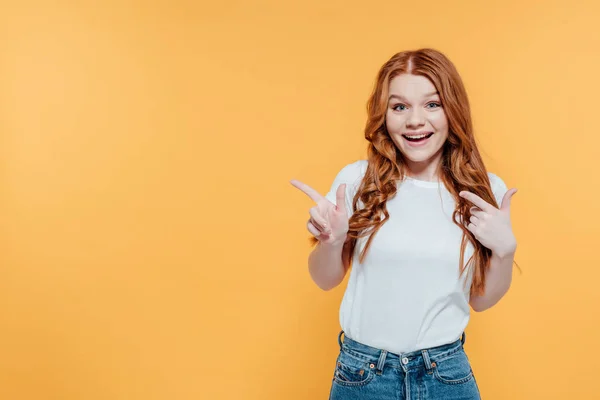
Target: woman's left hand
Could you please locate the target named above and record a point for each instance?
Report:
(490, 225)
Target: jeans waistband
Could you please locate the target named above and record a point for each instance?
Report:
(414, 359)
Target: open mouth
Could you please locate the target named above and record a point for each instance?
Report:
(418, 138)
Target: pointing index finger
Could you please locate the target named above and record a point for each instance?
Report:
(478, 201)
(310, 192)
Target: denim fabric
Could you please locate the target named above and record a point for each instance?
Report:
(364, 372)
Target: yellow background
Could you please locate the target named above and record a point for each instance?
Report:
(152, 246)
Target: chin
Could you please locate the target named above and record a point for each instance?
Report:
(418, 158)
(419, 155)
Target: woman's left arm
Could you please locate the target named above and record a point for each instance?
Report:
(491, 226)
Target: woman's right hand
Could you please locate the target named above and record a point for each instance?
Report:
(327, 222)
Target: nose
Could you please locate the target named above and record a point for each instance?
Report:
(415, 118)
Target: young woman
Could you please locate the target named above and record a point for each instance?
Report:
(426, 230)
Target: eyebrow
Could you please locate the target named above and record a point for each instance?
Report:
(402, 98)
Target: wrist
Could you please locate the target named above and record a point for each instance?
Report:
(335, 243)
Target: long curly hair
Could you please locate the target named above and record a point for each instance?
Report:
(461, 168)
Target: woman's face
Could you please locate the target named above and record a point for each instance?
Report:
(416, 120)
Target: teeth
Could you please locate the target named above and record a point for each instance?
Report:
(417, 137)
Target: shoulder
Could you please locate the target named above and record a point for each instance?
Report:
(498, 186)
(352, 172)
(351, 175)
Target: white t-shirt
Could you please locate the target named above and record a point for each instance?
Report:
(408, 293)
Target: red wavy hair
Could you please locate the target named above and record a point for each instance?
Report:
(461, 168)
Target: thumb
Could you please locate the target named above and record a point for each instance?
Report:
(506, 199)
(340, 197)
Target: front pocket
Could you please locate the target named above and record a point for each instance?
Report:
(453, 370)
(351, 372)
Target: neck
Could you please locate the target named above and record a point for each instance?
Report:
(425, 170)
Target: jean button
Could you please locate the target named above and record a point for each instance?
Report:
(405, 361)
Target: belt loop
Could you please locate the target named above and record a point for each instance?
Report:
(463, 338)
(381, 362)
(427, 360)
(340, 338)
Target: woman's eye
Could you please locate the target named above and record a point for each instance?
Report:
(435, 105)
(402, 107)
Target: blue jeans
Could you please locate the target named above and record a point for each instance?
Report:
(364, 372)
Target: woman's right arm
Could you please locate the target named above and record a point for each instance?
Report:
(329, 224)
(326, 265)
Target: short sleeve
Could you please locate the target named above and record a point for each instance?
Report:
(499, 188)
(351, 175)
